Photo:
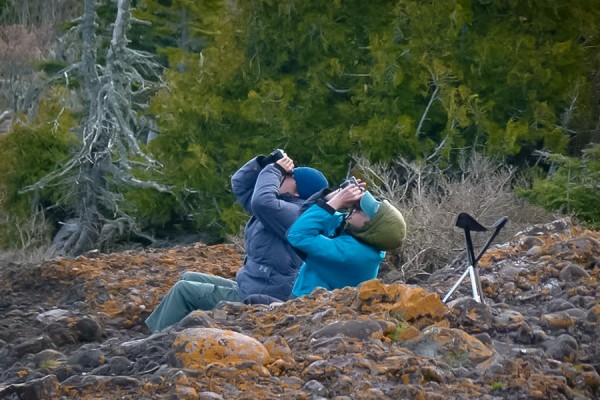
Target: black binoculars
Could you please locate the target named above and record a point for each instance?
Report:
(276, 155)
(350, 181)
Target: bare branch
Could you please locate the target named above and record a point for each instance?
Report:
(336, 90)
(433, 97)
(437, 149)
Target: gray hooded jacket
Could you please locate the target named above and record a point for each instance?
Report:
(271, 264)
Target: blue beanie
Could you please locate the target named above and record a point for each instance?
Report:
(309, 181)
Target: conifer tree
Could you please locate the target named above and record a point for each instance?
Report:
(572, 188)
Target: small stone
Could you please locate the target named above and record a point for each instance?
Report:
(33, 346)
(508, 320)
(561, 348)
(210, 396)
(315, 387)
(87, 357)
(89, 330)
(362, 329)
(119, 365)
(197, 319)
(454, 346)
(573, 273)
(53, 315)
(278, 347)
(560, 320)
(185, 392)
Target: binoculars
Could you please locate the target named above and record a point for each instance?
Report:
(276, 155)
(350, 181)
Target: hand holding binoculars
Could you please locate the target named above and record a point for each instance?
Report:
(275, 156)
(350, 181)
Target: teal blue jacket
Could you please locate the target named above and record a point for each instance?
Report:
(332, 260)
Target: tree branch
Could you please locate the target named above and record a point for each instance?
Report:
(334, 89)
(431, 100)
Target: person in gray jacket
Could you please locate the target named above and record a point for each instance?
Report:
(271, 190)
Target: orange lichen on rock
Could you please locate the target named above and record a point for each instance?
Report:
(133, 281)
(559, 320)
(412, 303)
(278, 347)
(544, 386)
(493, 256)
(196, 348)
(112, 308)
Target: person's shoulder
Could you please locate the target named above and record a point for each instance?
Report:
(359, 245)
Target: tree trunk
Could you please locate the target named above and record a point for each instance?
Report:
(81, 233)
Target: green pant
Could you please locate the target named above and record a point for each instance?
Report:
(194, 291)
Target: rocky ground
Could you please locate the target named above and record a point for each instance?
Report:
(73, 328)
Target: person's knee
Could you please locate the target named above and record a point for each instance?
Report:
(193, 291)
(185, 276)
(181, 287)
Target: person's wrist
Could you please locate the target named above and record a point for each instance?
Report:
(280, 168)
(334, 203)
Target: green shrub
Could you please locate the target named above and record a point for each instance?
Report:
(572, 188)
(27, 153)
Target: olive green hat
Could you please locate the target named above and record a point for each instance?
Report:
(386, 230)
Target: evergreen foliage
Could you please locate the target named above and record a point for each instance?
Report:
(175, 25)
(573, 188)
(27, 153)
(200, 136)
(328, 80)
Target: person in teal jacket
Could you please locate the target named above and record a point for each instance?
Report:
(344, 248)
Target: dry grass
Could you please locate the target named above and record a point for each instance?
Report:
(431, 199)
(30, 238)
(238, 239)
(20, 256)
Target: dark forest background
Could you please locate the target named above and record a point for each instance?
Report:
(124, 120)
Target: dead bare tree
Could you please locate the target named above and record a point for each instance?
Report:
(115, 92)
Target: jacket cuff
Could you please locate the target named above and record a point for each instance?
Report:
(280, 168)
(323, 204)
